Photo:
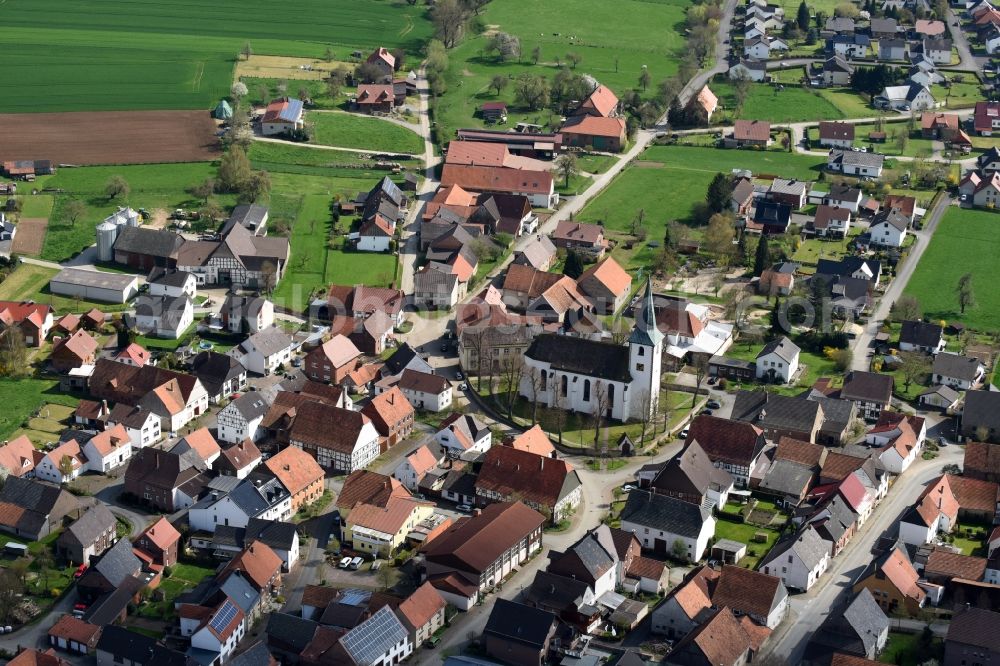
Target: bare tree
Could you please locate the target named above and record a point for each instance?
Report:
(700, 370)
(449, 18)
(914, 368)
(74, 210)
(533, 378)
(510, 371)
(11, 587)
(600, 399)
(648, 411)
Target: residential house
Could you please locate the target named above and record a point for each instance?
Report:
(546, 484)
(689, 332)
(756, 133)
(867, 270)
(883, 28)
(32, 509)
(791, 192)
(90, 535)
(251, 216)
(518, 634)
(299, 473)
(17, 457)
(375, 235)
(852, 163)
(594, 132)
(687, 606)
(117, 646)
(836, 135)
(257, 496)
(385, 62)
(265, 351)
(436, 287)
(375, 98)
(742, 198)
(777, 279)
(163, 316)
(871, 392)
(141, 425)
(798, 560)
(34, 320)
(382, 529)
(108, 450)
(943, 126)
(778, 361)
(411, 469)
(837, 71)
(159, 543)
(748, 68)
(900, 439)
(892, 49)
(731, 445)
(706, 102)
(888, 228)
(691, 476)
(463, 435)
(944, 398)
(667, 525)
(912, 97)
(971, 638)
(587, 239)
(220, 374)
(73, 351)
(172, 283)
(921, 336)
(830, 222)
(842, 195)
(282, 116)
(424, 391)
(482, 550)
(721, 639)
(539, 253)
(114, 568)
(989, 161)
(239, 459)
(331, 361)
(861, 630)
(246, 314)
(937, 50)
(986, 192)
(392, 415)
(202, 443)
(607, 285)
(770, 217)
(242, 418)
(62, 464)
(165, 481)
(422, 613)
(338, 438)
(893, 583)
(985, 119)
(959, 372)
(849, 46)
(935, 511)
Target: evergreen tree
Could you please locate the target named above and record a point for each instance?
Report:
(574, 265)
(720, 192)
(776, 327)
(803, 16)
(741, 250)
(762, 260)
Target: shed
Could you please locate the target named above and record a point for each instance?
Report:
(94, 285)
(222, 110)
(15, 549)
(728, 551)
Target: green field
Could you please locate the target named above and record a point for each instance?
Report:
(61, 55)
(348, 130)
(615, 41)
(30, 281)
(22, 397)
(793, 104)
(670, 180)
(966, 241)
(314, 263)
(152, 186)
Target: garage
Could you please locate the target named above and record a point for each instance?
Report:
(94, 285)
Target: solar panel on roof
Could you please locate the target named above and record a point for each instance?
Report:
(223, 617)
(371, 639)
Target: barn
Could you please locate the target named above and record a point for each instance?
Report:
(94, 285)
(144, 249)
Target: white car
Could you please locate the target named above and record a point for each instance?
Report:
(344, 563)
(683, 434)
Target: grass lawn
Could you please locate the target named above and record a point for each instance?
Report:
(688, 171)
(183, 577)
(813, 249)
(909, 649)
(743, 533)
(971, 537)
(313, 263)
(614, 40)
(959, 95)
(791, 76)
(816, 366)
(152, 186)
(595, 163)
(167, 344)
(30, 281)
(147, 54)
(349, 130)
(793, 104)
(52, 419)
(35, 205)
(916, 145)
(307, 160)
(21, 398)
(968, 235)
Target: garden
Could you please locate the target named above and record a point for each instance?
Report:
(23, 399)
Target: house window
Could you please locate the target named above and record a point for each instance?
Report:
(642, 351)
(586, 390)
(563, 386)
(640, 367)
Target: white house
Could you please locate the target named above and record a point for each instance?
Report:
(252, 498)
(913, 97)
(375, 235)
(888, 228)
(685, 608)
(412, 468)
(463, 435)
(282, 115)
(855, 163)
(758, 47)
(668, 525)
(993, 41)
(202, 443)
(143, 426)
(163, 316)
(959, 372)
(900, 438)
(264, 351)
(426, 392)
(173, 284)
(222, 633)
(62, 464)
(339, 439)
(108, 450)
(778, 361)
(754, 70)
(938, 51)
(249, 314)
(241, 418)
(381, 639)
(798, 561)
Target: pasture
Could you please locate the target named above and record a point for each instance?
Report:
(965, 241)
(764, 102)
(138, 137)
(22, 397)
(669, 181)
(615, 41)
(348, 130)
(61, 55)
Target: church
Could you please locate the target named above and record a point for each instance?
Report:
(583, 375)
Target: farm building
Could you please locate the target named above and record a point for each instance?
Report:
(282, 115)
(494, 112)
(144, 248)
(595, 132)
(94, 285)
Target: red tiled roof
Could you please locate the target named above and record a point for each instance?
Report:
(594, 126)
(478, 153)
(162, 534)
(111, 440)
(579, 231)
(203, 443)
(370, 488)
(602, 100)
(387, 410)
(374, 93)
(853, 491)
(474, 544)
(954, 565)
(513, 473)
(721, 640)
(18, 311)
(497, 179)
(754, 130)
(745, 591)
(296, 469)
(610, 274)
(902, 575)
(839, 465)
(757, 633)
(836, 131)
(695, 595)
(389, 519)
(420, 607)
(134, 353)
(74, 629)
(534, 440)
(17, 456)
(981, 457)
(973, 494)
(258, 562)
(722, 439)
(645, 567)
(798, 451)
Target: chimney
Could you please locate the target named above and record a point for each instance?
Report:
(541, 462)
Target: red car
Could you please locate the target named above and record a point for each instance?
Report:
(80, 607)
(79, 571)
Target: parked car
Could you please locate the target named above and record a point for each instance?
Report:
(344, 563)
(458, 375)
(714, 404)
(465, 508)
(463, 386)
(376, 565)
(683, 434)
(705, 412)
(356, 563)
(432, 642)
(628, 487)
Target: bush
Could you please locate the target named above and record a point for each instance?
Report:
(168, 571)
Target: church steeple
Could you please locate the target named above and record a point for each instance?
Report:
(645, 331)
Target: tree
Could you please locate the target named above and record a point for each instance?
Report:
(966, 298)
(449, 18)
(574, 265)
(679, 551)
(668, 89)
(645, 78)
(637, 221)
(906, 308)
(719, 235)
(846, 10)
(741, 89)
(234, 170)
(802, 18)
(74, 210)
(531, 92)
(268, 276)
(257, 187)
(647, 408)
(842, 359)
(506, 46)
(567, 166)
(247, 51)
(66, 466)
(536, 54)
(720, 193)
(574, 59)
(11, 588)
(13, 353)
(762, 259)
(914, 368)
(700, 365)
(238, 91)
(533, 378)
(335, 82)
(777, 326)
(499, 82)
(600, 399)
(204, 189)
(369, 72)
(116, 188)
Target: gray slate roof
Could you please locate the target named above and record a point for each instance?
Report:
(921, 333)
(250, 405)
(91, 525)
(956, 366)
(604, 360)
(269, 341)
(661, 512)
(118, 563)
(786, 477)
(806, 543)
(783, 347)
